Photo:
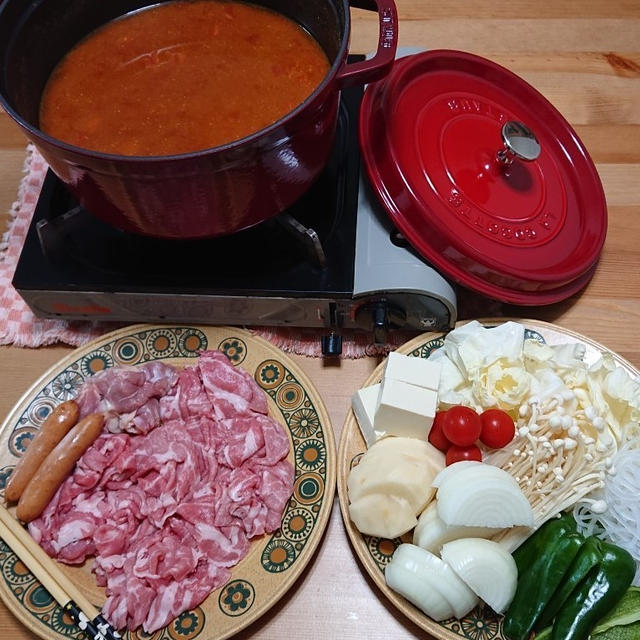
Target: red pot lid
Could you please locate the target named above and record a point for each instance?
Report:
(529, 232)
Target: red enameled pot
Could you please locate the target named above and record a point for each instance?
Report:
(202, 194)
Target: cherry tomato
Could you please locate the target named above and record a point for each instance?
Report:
(461, 425)
(497, 428)
(456, 454)
(436, 437)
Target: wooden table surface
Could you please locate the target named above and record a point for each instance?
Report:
(584, 56)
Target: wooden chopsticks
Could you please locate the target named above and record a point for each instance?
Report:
(61, 588)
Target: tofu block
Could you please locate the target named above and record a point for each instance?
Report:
(417, 371)
(364, 403)
(404, 410)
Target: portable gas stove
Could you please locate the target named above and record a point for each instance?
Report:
(333, 260)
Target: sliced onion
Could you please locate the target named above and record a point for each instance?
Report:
(486, 568)
(412, 586)
(436, 576)
(429, 528)
(451, 470)
(483, 496)
(431, 532)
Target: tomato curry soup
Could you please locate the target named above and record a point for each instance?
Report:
(179, 77)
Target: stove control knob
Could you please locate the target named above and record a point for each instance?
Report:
(331, 345)
(380, 321)
(380, 317)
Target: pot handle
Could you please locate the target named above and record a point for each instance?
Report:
(380, 65)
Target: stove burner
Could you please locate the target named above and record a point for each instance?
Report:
(307, 236)
(69, 234)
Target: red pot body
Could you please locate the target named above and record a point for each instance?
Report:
(207, 193)
(210, 193)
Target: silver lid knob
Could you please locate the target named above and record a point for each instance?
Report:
(519, 142)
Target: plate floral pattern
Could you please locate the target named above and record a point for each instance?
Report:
(274, 561)
(375, 553)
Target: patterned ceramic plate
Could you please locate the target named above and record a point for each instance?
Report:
(274, 561)
(374, 553)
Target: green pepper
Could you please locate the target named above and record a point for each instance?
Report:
(595, 596)
(622, 622)
(538, 584)
(537, 543)
(588, 557)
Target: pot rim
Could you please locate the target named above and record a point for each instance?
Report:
(338, 62)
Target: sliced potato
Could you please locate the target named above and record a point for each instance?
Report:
(409, 448)
(382, 515)
(396, 476)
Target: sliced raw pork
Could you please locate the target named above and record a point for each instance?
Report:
(128, 396)
(167, 499)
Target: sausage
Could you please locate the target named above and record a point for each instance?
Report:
(55, 427)
(57, 466)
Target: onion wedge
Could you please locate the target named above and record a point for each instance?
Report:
(431, 532)
(481, 495)
(485, 567)
(434, 577)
